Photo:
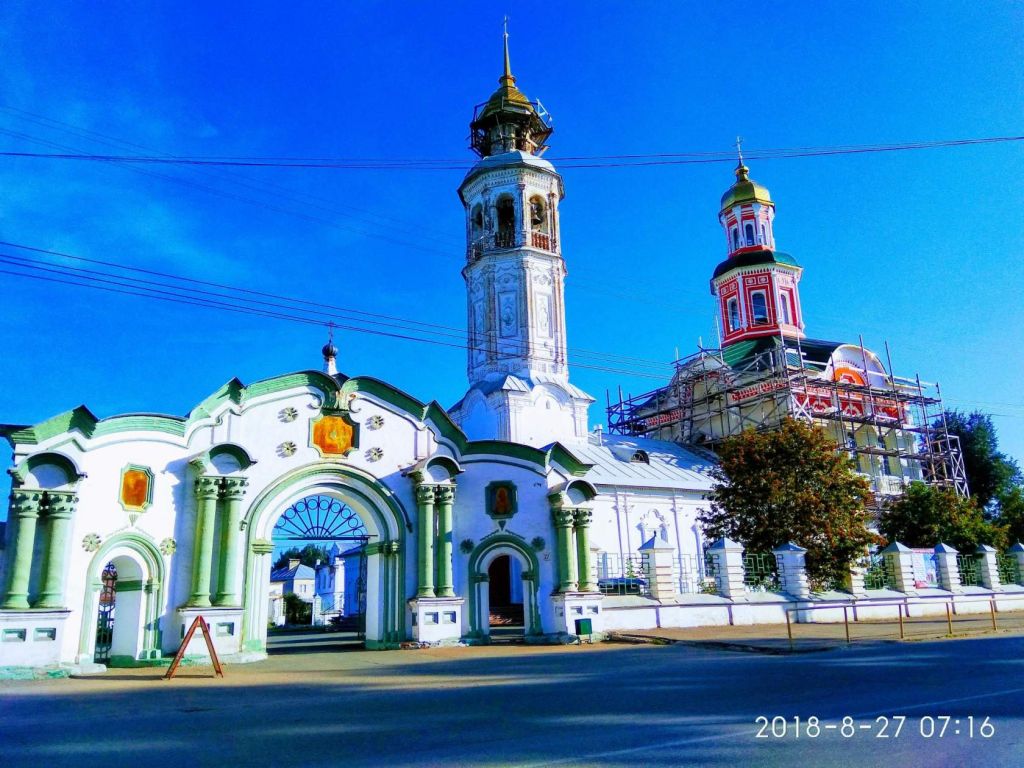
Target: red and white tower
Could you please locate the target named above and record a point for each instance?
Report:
(756, 286)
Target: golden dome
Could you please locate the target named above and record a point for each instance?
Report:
(745, 190)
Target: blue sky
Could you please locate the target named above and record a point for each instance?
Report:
(923, 249)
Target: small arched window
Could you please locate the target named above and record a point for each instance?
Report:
(538, 215)
(735, 237)
(734, 314)
(787, 316)
(506, 214)
(640, 457)
(748, 230)
(764, 235)
(477, 219)
(759, 308)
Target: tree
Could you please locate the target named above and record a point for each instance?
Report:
(308, 555)
(1011, 513)
(791, 484)
(297, 610)
(990, 473)
(926, 515)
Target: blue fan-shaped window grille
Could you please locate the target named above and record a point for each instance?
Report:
(320, 518)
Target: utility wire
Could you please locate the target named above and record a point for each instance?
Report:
(600, 161)
(149, 293)
(316, 307)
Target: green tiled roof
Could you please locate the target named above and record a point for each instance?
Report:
(753, 258)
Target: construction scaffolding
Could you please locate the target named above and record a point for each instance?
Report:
(894, 428)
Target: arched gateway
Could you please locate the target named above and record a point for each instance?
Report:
(386, 524)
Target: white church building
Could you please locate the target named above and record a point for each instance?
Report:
(505, 509)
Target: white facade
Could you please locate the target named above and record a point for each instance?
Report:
(185, 507)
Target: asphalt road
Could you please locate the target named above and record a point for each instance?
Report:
(595, 706)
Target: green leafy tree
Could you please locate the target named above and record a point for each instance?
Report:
(308, 555)
(791, 484)
(1011, 513)
(990, 473)
(926, 515)
(297, 610)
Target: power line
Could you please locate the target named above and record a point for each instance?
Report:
(597, 161)
(291, 304)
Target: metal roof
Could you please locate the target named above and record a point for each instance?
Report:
(668, 465)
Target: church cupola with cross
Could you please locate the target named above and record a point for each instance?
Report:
(756, 286)
(517, 363)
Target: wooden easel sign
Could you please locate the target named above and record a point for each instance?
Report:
(199, 623)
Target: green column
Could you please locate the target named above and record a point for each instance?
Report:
(425, 537)
(59, 508)
(581, 521)
(202, 549)
(566, 559)
(232, 489)
(445, 499)
(25, 508)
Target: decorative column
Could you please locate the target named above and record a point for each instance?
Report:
(24, 507)
(59, 508)
(947, 570)
(792, 562)
(566, 561)
(899, 559)
(727, 557)
(425, 537)
(530, 600)
(445, 500)
(584, 557)
(202, 548)
(988, 567)
(232, 490)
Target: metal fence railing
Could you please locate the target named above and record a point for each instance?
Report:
(968, 567)
(878, 573)
(760, 572)
(693, 575)
(622, 575)
(1009, 569)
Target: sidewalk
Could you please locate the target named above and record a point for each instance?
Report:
(809, 638)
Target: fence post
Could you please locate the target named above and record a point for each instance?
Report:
(729, 571)
(948, 572)
(791, 560)
(658, 564)
(1017, 550)
(855, 580)
(901, 562)
(988, 567)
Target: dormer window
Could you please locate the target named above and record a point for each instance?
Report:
(640, 457)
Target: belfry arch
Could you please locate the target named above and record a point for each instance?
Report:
(386, 524)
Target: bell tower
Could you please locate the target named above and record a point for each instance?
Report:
(756, 286)
(517, 363)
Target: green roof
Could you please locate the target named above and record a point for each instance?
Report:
(752, 259)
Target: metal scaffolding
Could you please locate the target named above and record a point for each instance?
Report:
(894, 428)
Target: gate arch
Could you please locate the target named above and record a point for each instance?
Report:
(149, 565)
(386, 522)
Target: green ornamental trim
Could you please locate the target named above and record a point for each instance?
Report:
(234, 392)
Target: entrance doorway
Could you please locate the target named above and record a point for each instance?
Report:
(120, 629)
(505, 598)
(105, 615)
(318, 578)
